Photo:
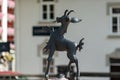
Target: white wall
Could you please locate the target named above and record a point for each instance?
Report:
(94, 28)
(26, 44)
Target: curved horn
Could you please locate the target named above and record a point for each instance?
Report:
(70, 12)
(65, 12)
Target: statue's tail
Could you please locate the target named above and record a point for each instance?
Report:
(79, 46)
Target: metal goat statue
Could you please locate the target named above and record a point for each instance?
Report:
(59, 43)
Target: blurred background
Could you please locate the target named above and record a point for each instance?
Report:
(23, 35)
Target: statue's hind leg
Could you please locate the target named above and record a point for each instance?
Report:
(77, 67)
(69, 66)
(75, 60)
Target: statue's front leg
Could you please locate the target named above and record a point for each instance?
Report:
(46, 73)
(48, 66)
(49, 60)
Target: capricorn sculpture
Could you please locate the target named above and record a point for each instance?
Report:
(59, 43)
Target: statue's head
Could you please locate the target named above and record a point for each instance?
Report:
(66, 19)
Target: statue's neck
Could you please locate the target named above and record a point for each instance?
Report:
(63, 28)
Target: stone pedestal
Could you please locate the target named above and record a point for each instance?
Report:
(62, 72)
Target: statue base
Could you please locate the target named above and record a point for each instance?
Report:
(58, 79)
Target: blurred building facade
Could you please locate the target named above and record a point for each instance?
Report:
(7, 48)
(100, 27)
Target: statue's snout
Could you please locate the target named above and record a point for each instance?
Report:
(75, 20)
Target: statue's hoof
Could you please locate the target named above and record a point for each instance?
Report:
(77, 79)
(46, 76)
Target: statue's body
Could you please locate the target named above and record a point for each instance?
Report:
(59, 43)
